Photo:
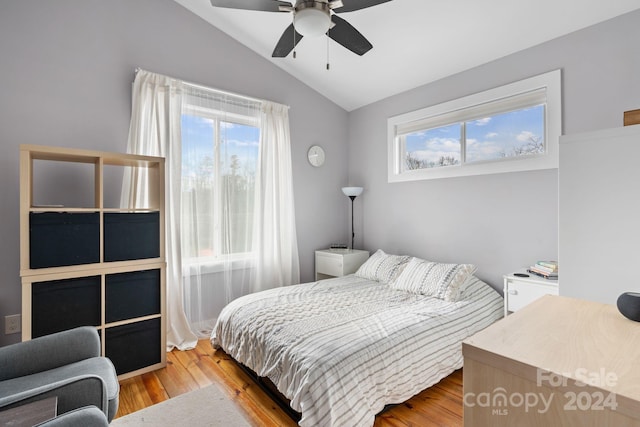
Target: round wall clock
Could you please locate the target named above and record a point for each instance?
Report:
(316, 156)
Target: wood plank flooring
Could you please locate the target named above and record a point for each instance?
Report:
(440, 405)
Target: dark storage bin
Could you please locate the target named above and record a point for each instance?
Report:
(134, 346)
(59, 239)
(132, 294)
(59, 305)
(129, 236)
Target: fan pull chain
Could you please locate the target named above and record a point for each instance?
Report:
(328, 49)
(294, 41)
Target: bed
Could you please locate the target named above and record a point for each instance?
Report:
(341, 349)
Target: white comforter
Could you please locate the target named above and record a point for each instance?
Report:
(341, 349)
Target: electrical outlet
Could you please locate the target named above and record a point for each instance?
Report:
(12, 324)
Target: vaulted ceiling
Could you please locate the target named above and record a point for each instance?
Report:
(415, 42)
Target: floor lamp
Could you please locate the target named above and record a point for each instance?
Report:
(352, 193)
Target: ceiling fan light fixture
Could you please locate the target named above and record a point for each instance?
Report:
(312, 21)
(311, 18)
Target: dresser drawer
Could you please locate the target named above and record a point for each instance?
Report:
(338, 262)
(329, 265)
(523, 293)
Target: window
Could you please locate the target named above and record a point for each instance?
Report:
(511, 128)
(219, 165)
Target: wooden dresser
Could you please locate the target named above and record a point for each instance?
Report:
(557, 361)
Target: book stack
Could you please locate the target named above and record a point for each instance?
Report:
(546, 269)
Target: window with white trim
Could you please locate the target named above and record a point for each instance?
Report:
(220, 149)
(511, 128)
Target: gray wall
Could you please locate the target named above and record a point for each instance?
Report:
(65, 80)
(498, 222)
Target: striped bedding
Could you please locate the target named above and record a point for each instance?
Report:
(343, 348)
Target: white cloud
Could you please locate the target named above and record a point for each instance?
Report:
(443, 144)
(525, 136)
(227, 125)
(239, 143)
(435, 148)
(484, 150)
(491, 135)
(482, 122)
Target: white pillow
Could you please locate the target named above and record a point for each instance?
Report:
(382, 267)
(433, 278)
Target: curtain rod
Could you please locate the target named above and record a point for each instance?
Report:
(224, 92)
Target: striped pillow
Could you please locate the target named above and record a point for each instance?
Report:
(382, 267)
(433, 278)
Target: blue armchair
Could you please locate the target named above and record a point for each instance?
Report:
(66, 365)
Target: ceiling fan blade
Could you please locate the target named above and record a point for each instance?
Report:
(262, 5)
(351, 5)
(286, 43)
(345, 34)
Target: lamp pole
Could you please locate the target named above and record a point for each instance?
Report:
(352, 193)
(353, 233)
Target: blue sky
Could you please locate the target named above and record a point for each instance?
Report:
(198, 142)
(487, 138)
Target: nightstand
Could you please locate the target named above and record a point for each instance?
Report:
(520, 291)
(338, 262)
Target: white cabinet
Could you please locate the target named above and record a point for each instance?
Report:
(522, 290)
(338, 262)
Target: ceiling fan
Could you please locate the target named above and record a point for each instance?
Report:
(311, 18)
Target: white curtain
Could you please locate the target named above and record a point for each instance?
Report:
(275, 241)
(155, 131)
(220, 149)
(230, 216)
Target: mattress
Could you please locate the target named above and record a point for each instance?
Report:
(341, 349)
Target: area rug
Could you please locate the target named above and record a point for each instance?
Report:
(207, 406)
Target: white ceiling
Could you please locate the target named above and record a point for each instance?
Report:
(414, 41)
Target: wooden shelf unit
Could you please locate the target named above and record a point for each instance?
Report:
(103, 287)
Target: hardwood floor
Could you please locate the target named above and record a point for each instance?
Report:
(440, 405)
